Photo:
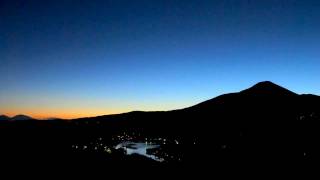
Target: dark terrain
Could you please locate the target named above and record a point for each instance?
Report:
(263, 124)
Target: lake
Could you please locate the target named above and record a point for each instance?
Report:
(139, 148)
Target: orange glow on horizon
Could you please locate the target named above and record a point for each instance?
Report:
(62, 115)
(71, 111)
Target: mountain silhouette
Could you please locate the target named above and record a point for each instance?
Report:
(261, 91)
(265, 123)
(4, 118)
(268, 88)
(21, 117)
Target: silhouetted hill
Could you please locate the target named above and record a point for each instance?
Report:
(15, 118)
(263, 124)
(21, 117)
(264, 89)
(4, 118)
(268, 88)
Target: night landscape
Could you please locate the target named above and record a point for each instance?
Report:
(164, 83)
(265, 123)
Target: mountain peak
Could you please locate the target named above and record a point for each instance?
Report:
(21, 117)
(266, 83)
(268, 88)
(4, 117)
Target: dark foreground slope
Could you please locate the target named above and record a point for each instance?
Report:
(265, 123)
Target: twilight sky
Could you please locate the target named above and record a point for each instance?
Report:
(77, 58)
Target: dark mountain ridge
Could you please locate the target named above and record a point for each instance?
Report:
(16, 118)
(265, 123)
(268, 88)
(21, 117)
(4, 118)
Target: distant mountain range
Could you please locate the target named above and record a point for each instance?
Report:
(4, 117)
(265, 90)
(263, 124)
(15, 118)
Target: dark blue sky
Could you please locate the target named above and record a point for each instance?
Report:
(79, 58)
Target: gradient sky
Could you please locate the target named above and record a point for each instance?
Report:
(91, 57)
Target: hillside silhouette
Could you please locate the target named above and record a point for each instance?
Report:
(19, 117)
(261, 124)
(4, 118)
